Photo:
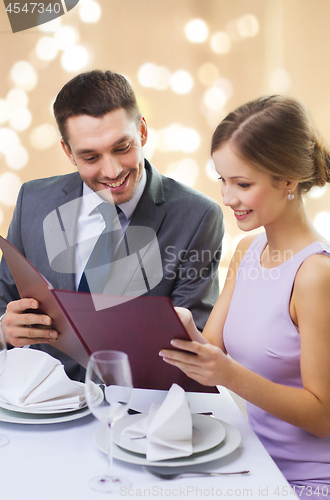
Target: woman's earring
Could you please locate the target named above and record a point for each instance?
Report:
(290, 195)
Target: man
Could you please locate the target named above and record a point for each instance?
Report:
(103, 134)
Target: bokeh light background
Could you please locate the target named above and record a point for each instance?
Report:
(189, 61)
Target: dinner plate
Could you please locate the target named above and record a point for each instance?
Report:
(227, 446)
(39, 410)
(14, 417)
(207, 433)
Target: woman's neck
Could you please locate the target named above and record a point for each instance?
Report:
(288, 235)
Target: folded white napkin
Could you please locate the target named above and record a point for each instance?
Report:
(34, 379)
(168, 428)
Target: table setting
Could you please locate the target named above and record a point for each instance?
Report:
(35, 389)
(105, 438)
(170, 436)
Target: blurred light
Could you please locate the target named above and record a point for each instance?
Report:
(46, 48)
(221, 43)
(17, 98)
(171, 137)
(189, 140)
(17, 158)
(43, 137)
(248, 26)
(148, 75)
(184, 171)
(207, 74)
(152, 143)
(24, 75)
(152, 76)
(178, 138)
(317, 192)
(280, 80)
(213, 118)
(2, 216)
(9, 186)
(211, 172)
(215, 99)
(322, 223)
(90, 11)
(196, 31)
(74, 58)
(162, 142)
(50, 26)
(233, 31)
(226, 86)
(65, 37)
(20, 118)
(164, 78)
(181, 82)
(8, 140)
(4, 110)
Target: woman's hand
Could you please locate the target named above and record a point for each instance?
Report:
(187, 320)
(207, 364)
(185, 316)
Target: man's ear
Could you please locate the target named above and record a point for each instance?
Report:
(143, 131)
(68, 152)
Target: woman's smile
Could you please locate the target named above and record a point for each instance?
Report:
(242, 214)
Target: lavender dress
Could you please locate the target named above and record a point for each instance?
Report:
(260, 335)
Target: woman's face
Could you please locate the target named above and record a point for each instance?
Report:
(254, 196)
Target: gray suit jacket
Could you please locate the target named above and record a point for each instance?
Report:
(188, 226)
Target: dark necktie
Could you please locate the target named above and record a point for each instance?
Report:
(97, 269)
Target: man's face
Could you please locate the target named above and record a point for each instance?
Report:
(108, 153)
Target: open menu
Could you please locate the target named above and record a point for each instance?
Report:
(141, 327)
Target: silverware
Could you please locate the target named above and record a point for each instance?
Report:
(171, 475)
(131, 411)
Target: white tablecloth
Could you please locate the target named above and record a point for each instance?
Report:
(55, 461)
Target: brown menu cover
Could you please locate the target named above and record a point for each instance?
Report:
(141, 327)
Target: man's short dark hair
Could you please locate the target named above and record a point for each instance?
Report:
(94, 93)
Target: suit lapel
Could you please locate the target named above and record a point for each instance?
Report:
(147, 212)
(60, 228)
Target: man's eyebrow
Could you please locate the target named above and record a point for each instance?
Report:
(82, 151)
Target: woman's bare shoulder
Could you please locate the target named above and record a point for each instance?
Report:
(314, 272)
(242, 247)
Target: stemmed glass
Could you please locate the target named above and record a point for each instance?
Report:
(3, 354)
(108, 391)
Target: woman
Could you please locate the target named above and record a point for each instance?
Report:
(273, 316)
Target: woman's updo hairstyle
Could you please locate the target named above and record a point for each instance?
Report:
(275, 134)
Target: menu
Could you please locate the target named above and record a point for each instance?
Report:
(141, 326)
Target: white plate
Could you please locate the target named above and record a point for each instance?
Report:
(39, 410)
(14, 417)
(228, 445)
(207, 433)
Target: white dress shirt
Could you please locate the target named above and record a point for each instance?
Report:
(91, 223)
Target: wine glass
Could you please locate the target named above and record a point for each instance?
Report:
(3, 354)
(108, 390)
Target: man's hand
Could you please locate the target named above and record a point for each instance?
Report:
(23, 327)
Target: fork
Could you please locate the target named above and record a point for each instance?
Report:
(177, 475)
